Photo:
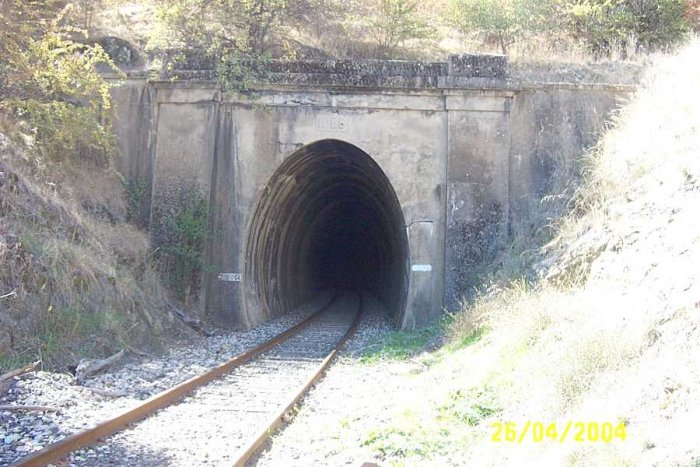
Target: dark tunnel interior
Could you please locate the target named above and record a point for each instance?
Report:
(328, 219)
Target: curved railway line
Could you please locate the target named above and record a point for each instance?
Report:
(243, 400)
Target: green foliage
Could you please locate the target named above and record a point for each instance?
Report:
(65, 324)
(136, 199)
(74, 296)
(244, 26)
(234, 33)
(401, 345)
(658, 25)
(49, 81)
(470, 407)
(239, 75)
(10, 361)
(604, 25)
(385, 26)
(397, 21)
(406, 442)
(183, 251)
(502, 22)
(466, 339)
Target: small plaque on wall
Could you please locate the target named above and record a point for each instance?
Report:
(331, 122)
(230, 276)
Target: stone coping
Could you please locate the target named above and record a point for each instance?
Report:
(460, 72)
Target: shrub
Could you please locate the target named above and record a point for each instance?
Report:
(604, 25)
(501, 22)
(396, 22)
(137, 201)
(49, 81)
(184, 239)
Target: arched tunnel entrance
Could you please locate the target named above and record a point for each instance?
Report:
(328, 218)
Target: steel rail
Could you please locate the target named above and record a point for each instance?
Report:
(245, 453)
(61, 449)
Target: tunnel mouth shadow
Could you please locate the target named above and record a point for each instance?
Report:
(328, 218)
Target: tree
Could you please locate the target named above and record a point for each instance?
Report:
(648, 25)
(244, 26)
(236, 34)
(503, 22)
(383, 27)
(50, 82)
(692, 14)
(396, 22)
(657, 24)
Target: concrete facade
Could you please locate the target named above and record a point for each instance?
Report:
(465, 150)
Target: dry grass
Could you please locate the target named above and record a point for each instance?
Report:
(78, 277)
(613, 334)
(646, 159)
(548, 56)
(656, 136)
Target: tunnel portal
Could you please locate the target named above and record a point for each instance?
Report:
(327, 219)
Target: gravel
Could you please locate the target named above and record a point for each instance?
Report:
(336, 416)
(213, 424)
(329, 428)
(80, 407)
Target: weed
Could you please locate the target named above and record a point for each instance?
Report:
(469, 338)
(33, 243)
(67, 334)
(590, 356)
(183, 250)
(240, 76)
(401, 345)
(470, 407)
(405, 442)
(12, 360)
(74, 296)
(137, 202)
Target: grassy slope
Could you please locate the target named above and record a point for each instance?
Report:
(75, 275)
(612, 333)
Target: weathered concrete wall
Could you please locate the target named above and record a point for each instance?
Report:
(387, 127)
(467, 153)
(477, 173)
(133, 126)
(521, 146)
(185, 129)
(550, 128)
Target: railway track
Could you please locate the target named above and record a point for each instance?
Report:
(242, 402)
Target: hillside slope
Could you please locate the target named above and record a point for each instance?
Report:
(610, 333)
(75, 280)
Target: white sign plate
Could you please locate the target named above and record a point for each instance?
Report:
(229, 276)
(421, 268)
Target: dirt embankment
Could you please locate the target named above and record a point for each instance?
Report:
(611, 330)
(75, 278)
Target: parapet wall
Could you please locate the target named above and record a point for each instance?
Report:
(198, 66)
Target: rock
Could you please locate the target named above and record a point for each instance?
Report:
(124, 54)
